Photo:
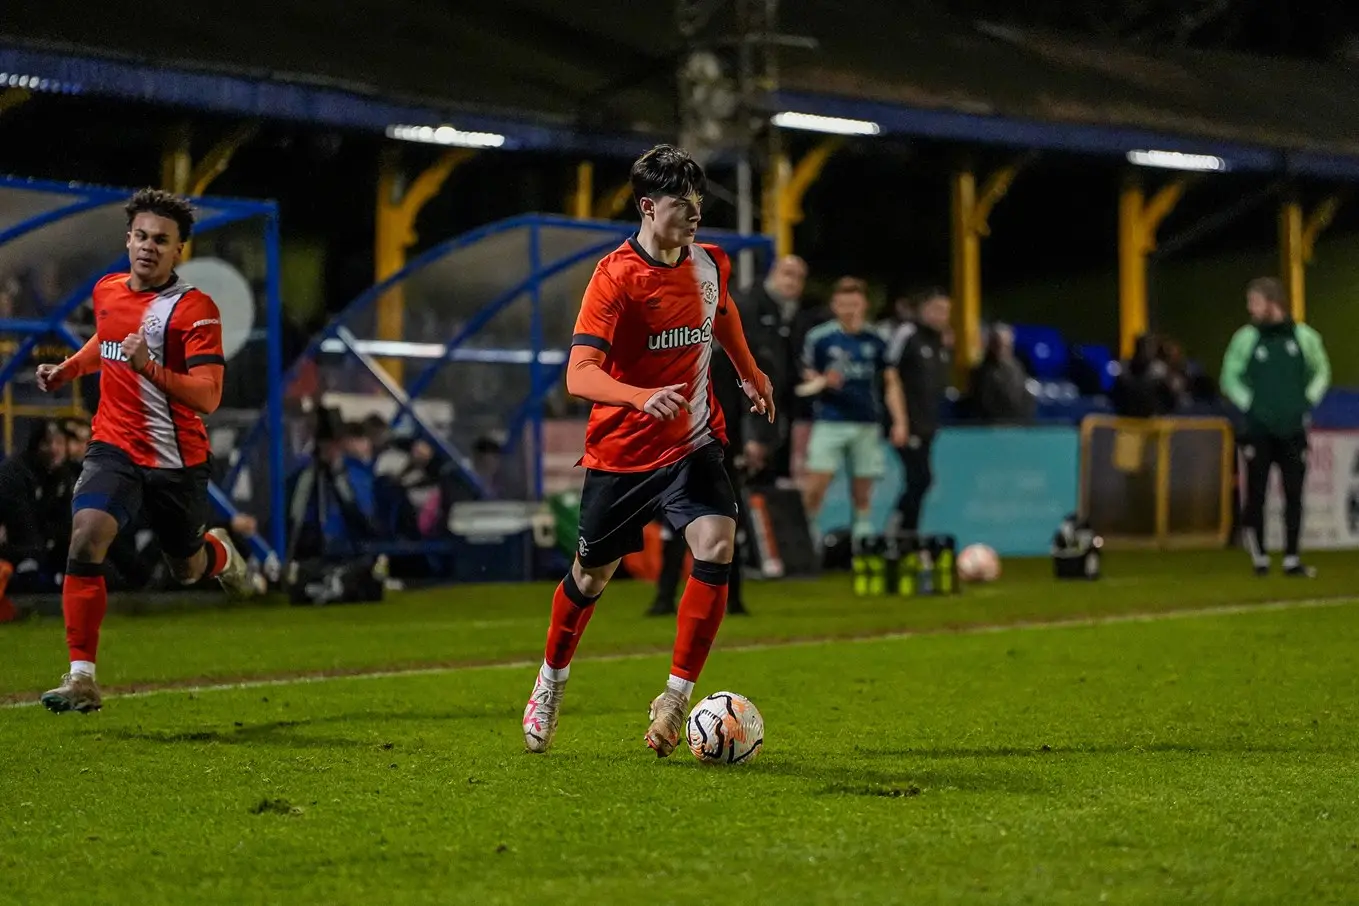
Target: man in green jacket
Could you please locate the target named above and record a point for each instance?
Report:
(1275, 371)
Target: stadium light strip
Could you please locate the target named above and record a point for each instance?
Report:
(835, 125)
(1176, 160)
(446, 135)
(37, 83)
(401, 349)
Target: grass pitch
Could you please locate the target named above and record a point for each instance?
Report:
(1204, 758)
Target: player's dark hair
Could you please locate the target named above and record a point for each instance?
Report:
(162, 204)
(928, 294)
(1271, 288)
(666, 170)
(850, 285)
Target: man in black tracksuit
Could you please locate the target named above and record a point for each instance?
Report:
(925, 363)
(776, 323)
(735, 408)
(1275, 371)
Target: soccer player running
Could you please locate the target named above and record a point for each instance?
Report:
(847, 367)
(1275, 371)
(641, 352)
(158, 348)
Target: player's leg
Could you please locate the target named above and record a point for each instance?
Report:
(177, 508)
(667, 583)
(701, 502)
(614, 508)
(826, 447)
(106, 497)
(736, 604)
(1291, 455)
(1257, 453)
(915, 463)
(867, 466)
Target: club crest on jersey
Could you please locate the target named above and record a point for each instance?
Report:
(709, 292)
(152, 324)
(678, 337)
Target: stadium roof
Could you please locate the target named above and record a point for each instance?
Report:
(597, 78)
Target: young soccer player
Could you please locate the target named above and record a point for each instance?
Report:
(641, 350)
(847, 368)
(158, 348)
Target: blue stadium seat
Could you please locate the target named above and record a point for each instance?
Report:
(1100, 361)
(1043, 350)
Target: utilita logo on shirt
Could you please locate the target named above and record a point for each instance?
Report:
(112, 349)
(677, 337)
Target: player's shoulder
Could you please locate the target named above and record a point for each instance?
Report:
(194, 303)
(1306, 332)
(112, 283)
(716, 252)
(823, 331)
(1247, 333)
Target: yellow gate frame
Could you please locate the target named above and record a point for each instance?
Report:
(1162, 429)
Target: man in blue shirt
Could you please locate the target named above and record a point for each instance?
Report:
(847, 368)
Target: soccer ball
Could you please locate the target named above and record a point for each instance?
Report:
(978, 563)
(725, 728)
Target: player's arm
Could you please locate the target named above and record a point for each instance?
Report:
(200, 386)
(1234, 363)
(1318, 364)
(896, 402)
(591, 341)
(84, 361)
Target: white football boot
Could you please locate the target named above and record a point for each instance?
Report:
(540, 714)
(668, 712)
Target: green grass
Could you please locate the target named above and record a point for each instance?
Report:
(1205, 759)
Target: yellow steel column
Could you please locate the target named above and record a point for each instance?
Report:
(1291, 264)
(1298, 235)
(176, 160)
(966, 254)
(1138, 221)
(613, 202)
(970, 211)
(13, 97)
(783, 196)
(582, 199)
(395, 233)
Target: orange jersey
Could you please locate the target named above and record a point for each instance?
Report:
(184, 331)
(655, 324)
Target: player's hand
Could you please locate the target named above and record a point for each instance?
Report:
(666, 403)
(136, 350)
(51, 378)
(834, 379)
(901, 435)
(761, 397)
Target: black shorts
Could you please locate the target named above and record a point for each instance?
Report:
(616, 506)
(175, 500)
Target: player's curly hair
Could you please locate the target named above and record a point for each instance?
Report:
(162, 204)
(666, 170)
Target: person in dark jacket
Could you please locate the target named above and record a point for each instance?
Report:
(1276, 372)
(31, 520)
(924, 360)
(776, 323)
(1000, 390)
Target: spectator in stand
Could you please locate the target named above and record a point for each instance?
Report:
(1141, 390)
(777, 322)
(1000, 391)
(30, 525)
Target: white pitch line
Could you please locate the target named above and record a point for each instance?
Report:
(1225, 610)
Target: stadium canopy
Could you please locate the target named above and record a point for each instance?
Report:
(598, 79)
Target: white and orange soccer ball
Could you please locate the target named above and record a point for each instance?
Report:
(978, 563)
(725, 728)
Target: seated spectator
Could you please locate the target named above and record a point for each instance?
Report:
(32, 521)
(1141, 390)
(1000, 390)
